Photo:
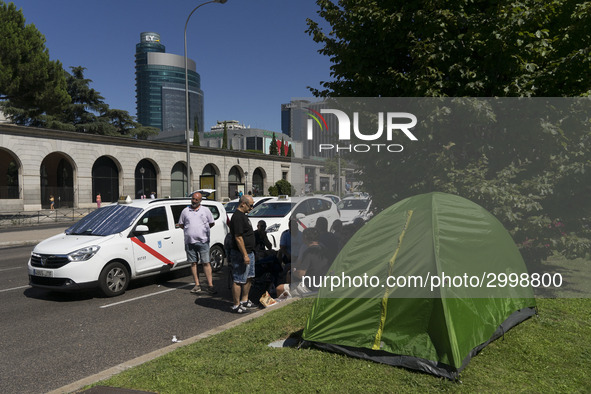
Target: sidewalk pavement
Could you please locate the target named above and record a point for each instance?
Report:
(25, 236)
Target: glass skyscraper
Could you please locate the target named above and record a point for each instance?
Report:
(160, 90)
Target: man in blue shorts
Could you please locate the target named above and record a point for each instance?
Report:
(196, 221)
(242, 255)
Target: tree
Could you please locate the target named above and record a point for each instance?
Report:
(283, 150)
(30, 83)
(281, 187)
(290, 151)
(225, 137)
(88, 113)
(35, 91)
(84, 112)
(331, 166)
(123, 124)
(535, 180)
(273, 151)
(479, 48)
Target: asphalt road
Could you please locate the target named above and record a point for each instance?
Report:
(51, 339)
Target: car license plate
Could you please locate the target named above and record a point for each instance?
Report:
(44, 273)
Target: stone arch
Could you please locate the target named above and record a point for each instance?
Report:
(235, 181)
(57, 177)
(146, 178)
(178, 180)
(106, 173)
(259, 177)
(10, 174)
(209, 179)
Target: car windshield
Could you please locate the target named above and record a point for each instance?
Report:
(353, 204)
(231, 206)
(271, 210)
(111, 219)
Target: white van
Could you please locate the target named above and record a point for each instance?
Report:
(120, 242)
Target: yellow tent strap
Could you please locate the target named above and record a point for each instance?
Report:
(384, 307)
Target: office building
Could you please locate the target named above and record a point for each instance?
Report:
(160, 90)
(294, 121)
(241, 137)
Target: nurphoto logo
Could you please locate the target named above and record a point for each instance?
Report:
(402, 121)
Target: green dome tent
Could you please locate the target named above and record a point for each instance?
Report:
(419, 323)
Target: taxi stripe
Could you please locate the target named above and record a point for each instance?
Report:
(301, 224)
(151, 251)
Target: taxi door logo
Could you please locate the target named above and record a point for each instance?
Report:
(159, 244)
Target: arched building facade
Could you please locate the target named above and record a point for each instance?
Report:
(74, 168)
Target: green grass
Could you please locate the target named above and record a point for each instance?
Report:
(547, 353)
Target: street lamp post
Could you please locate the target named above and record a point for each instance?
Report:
(143, 188)
(187, 134)
(339, 191)
(245, 182)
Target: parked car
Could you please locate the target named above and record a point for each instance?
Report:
(205, 193)
(335, 199)
(233, 204)
(121, 242)
(357, 195)
(307, 210)
(352, 208)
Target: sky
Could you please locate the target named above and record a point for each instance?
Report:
(252, 55)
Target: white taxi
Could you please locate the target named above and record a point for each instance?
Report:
(276, 214)
(120, 242)
(232, 205)
(355, 208)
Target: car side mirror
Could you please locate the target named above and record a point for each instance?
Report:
(142, 228)
(300, 216)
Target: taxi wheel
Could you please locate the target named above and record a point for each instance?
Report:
(216, 258)
(114, 279)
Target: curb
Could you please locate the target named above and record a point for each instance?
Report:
(14, 244)
(73, 387)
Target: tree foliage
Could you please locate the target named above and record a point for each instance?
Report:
(536, 180)
(273, 151)
(481, 48)
(225, 137)
(37, 92)
(281, 187)
(28, 78)
(88, 113)
(283, 149)
(331, 166)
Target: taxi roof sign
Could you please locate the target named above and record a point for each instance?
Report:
(125, 200)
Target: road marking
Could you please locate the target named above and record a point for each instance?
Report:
(12, 268)
(14, 288)
(147, 295)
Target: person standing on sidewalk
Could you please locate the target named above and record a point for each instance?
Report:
(196, 222)
(242, 255)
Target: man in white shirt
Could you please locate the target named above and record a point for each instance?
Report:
(196, 221)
